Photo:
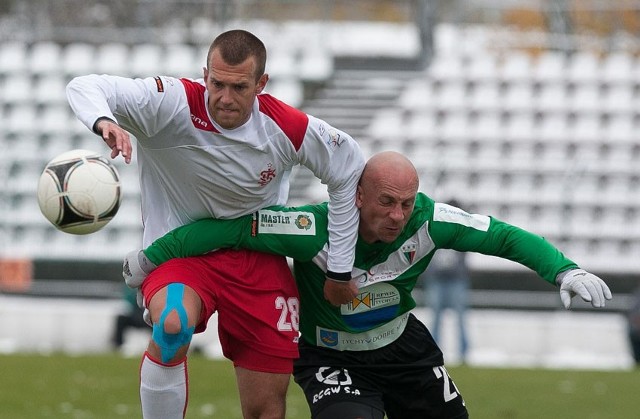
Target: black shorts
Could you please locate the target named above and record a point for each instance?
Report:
(405, 379)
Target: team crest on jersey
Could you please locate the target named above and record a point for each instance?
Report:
(267, 175)
(409, 251)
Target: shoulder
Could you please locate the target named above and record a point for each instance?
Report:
(194, 89)
(293, 122)
(424, 205)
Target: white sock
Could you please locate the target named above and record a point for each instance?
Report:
(163, 389)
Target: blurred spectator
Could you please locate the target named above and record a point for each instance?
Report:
(131, 317)
(634, 326)
(447, 286)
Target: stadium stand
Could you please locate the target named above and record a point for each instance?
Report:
(528, 135)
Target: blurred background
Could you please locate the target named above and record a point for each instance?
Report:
(527, 110)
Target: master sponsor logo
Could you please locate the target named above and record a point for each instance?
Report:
(286, 222)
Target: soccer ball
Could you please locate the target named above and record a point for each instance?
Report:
(79, 192)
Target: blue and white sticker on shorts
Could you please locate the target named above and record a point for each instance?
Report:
(286, 222)
(449, 214)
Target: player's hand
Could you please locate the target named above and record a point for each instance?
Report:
(339, 292)
(116, 138)
(136, 267)
(588, 286)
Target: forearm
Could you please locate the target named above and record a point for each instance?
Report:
(89, 99)
(336, 159)
(530, 250)
(194, 239)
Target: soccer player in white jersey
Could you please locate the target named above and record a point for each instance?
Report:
(219, 147)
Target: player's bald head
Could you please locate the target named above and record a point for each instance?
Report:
(389, 167)
(386, 196)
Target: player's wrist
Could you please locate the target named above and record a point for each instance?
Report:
(338, 276)
(563, 275)
(102, 118)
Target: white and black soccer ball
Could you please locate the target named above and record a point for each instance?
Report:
(79, 192)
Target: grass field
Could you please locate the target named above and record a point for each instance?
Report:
(106, 386)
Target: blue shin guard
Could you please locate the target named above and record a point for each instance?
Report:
(170, 343)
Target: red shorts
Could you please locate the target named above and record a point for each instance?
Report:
(256, 299)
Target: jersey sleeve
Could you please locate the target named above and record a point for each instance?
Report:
(453, 228)
(141, 106)
(336, 159)
(296, 232)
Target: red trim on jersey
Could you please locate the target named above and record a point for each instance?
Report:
(290, 120)
(197, 106)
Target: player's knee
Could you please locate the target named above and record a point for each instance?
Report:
(172, 331)
(171, 324)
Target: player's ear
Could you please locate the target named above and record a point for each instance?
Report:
(205, 72)
(262, 82)
(359, 197)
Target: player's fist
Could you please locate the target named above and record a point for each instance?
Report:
(339, 292)
(136, 267)
(588, 286)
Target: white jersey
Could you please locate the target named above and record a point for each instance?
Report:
(191, 168)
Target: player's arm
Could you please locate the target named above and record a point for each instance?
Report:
(297, 232)
(336, 159)
(113, 106)
(453, 228)
(285, 231)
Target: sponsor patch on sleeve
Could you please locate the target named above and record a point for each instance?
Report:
(286, 222)
(448, 214)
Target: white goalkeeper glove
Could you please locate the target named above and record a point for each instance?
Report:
(136, 267)
(588, 286)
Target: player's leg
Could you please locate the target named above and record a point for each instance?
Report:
(424, 393)
(176, 311)
(262, 394)
(335, 392)
(258, 328)
(413, 387)
(349, 410)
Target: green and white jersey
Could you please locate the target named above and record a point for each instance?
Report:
(386, 273)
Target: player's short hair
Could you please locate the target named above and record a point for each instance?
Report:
(236, 45)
